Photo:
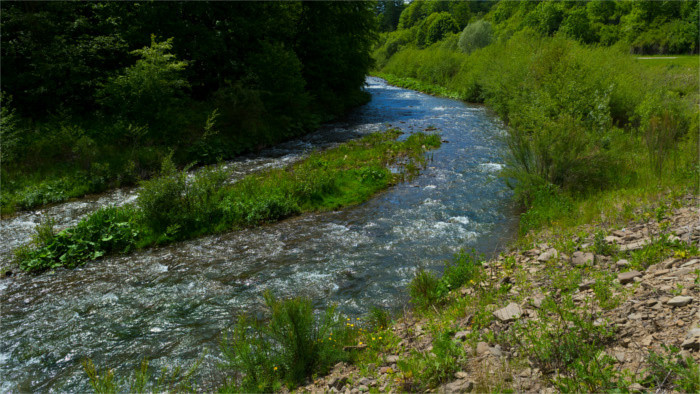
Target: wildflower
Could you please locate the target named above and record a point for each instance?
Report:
(275, 368)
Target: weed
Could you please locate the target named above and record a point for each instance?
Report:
(423, 371)
(287, 348)
(673, 371)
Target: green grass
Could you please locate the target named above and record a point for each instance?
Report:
(670, 62)
(172, 207)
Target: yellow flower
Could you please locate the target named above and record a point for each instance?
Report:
(352, 325)
(380, 337)
(360, 344)
(275, 368)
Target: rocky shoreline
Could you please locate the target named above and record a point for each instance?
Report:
(641, 281)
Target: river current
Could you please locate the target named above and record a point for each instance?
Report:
(170, 304)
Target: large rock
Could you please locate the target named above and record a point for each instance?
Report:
(548, 255)
(458, 386)
(679, 301)
(509, 313)
(628, 277)
(692, 340)
(635, 245)
(580, 258)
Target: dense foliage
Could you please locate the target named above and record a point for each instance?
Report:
(104, 91)
(648, 27)
(580, 124)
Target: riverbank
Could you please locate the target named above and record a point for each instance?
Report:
(584, 140)
(175, 206)
(605, 306)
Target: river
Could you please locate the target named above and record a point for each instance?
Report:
(170, 304)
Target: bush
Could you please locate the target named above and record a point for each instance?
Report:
(173, 206)
(476, 35)
(423, 289)
(440, 27)
(147, 91)
(672, 371)
(107, 230)
(288, 347)
(424, 371)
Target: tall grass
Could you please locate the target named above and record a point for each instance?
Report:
(582, 121)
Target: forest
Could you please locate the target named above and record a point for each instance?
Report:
(95, 95)
(279, 196)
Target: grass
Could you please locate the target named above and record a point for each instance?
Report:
(173, 207)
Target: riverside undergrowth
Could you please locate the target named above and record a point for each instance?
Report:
(175, 207)
(584, 136)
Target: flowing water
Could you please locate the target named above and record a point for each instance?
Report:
(169, 304)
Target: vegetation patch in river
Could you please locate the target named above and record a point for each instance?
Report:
(174, 207)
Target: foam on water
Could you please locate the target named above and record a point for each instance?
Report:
(171, 302)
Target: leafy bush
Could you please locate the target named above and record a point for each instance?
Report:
(148, 90)
(108, 230)
(173, 206)
(288, 347)
(440, 27)
(476, 35)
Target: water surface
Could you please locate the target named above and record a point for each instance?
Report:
(171, 303)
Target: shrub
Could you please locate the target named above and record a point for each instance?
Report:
(173, 206)
(288, 347)
(476, 35)
(440, 27)
(423, 289)
(423, 371)
(149, 89)
(107, 230)
(672, 371)
(462, 269)
(568, 342)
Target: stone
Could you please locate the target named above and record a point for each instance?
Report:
(496, 351)
(581, 258)
(458, 386)
(635, 245)
(692, 340)
(622, 264)
(461, 335)
(690, 263)
(548, 255)
(364, 381)
(509, 313)
(628, 277)
(461, 375)
(636, 388)
(679, 301)
(586, 285)
(363, 388)
(392, 359)
(537, 300)
(482, 348)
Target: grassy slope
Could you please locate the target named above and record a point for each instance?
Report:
(470, 77)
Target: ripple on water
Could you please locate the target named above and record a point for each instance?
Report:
(171, 302)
